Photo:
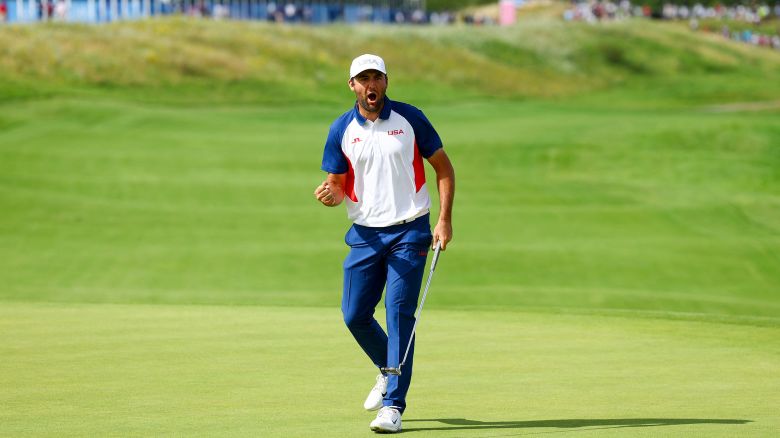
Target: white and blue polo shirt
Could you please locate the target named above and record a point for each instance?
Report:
(383, 162)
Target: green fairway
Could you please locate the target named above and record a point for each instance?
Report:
(166, 271)
(558, 206)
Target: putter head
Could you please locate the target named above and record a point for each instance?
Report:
(391, 370)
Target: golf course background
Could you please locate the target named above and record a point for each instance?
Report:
(165, 269)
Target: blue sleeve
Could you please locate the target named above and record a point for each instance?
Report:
(333, 159)
(428, 140)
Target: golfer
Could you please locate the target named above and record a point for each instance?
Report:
(374, 160)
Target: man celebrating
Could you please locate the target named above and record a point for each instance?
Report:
(373, 156)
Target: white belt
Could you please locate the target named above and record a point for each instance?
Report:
(406, 221)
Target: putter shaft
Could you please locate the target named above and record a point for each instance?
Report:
(397, 371)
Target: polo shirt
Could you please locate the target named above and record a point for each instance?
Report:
(385, 181)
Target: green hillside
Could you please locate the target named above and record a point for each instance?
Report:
(259, 62)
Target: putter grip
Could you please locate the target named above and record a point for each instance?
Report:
(435, 255)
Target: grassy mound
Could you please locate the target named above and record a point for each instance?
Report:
(540, 57)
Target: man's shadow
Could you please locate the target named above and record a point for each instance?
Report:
(611, 423)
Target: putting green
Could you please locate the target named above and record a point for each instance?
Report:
(124, 370)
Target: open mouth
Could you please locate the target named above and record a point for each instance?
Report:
(371, 97)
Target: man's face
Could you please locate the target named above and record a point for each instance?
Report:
(369, 87)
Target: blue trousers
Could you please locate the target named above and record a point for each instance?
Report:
(394, 257)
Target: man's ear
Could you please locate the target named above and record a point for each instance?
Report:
(351, 84)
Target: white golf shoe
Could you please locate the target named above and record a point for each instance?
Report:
(388, 420)
(374, 399)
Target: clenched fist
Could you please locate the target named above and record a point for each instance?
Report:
(324, 194)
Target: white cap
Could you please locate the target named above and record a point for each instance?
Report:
(366, 62)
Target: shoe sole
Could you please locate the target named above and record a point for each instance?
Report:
(378, 429)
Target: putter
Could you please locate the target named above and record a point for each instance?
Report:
(397, 371)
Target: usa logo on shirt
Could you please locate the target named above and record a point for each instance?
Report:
(395, 132)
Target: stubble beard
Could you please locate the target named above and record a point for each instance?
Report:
(368, 107)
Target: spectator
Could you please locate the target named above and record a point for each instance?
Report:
(3, 11)
(60, 10)
(46, 10)
(290, 12)
(220, 11)
(418, 16)
(270, 11)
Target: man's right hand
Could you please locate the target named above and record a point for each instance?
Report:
(330, 193)
(324, 194)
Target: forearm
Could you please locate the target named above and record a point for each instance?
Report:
(445, 182)
(336, 186)
(446, 186)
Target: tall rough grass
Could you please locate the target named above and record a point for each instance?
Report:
(540, 57)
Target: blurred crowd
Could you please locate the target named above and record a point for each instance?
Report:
(42, 10)
(312, 12)
(594, 11)
(736, 22)
(751, 37)
(749, 14)
(280, 11)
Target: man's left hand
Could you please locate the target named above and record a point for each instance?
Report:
(442, 233)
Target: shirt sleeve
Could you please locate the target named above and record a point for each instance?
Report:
(428, 140)
(333, 159)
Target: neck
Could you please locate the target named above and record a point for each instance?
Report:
(371, 115)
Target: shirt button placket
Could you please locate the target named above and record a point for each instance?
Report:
(371, 132)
